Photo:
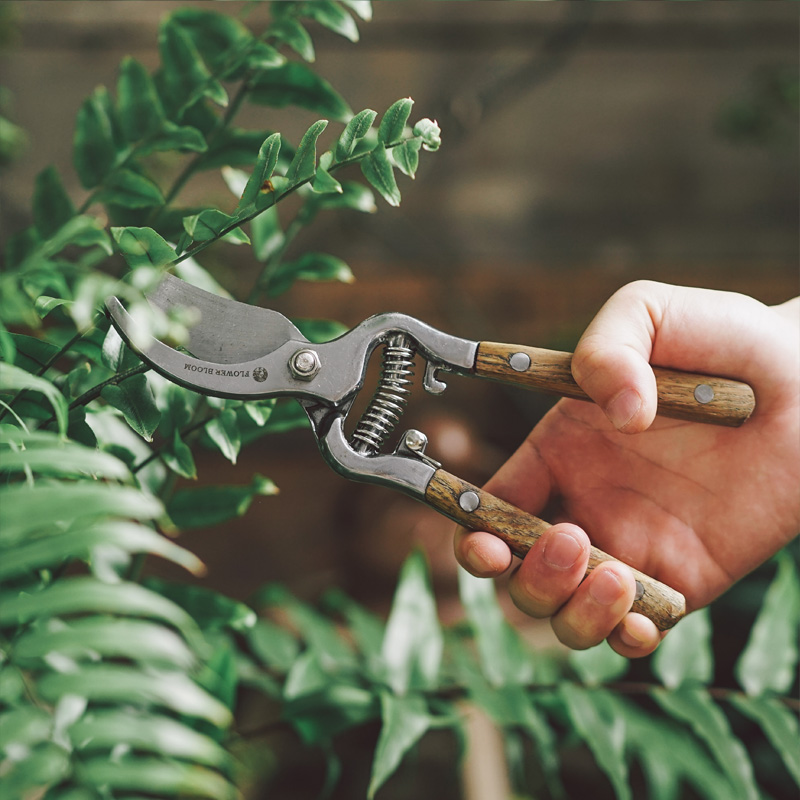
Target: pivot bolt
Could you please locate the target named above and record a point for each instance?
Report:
(305, 364)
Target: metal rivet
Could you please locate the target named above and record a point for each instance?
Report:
(469, 501)
(305, 364)
(703, 393)
(416, 441)
(639, 591)
(520, 362)
(259, 374)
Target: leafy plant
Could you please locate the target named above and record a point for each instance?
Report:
(114, 684)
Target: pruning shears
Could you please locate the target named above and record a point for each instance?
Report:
(245, 352)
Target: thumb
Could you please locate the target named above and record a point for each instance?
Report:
(611, 362)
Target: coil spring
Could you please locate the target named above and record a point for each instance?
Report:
(390, 398)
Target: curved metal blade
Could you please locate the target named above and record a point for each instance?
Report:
(227, 331)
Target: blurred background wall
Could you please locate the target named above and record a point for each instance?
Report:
(585, 145)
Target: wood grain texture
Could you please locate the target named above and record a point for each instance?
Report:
(520, 531)
(550, 371)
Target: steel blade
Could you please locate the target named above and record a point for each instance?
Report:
(226, 331)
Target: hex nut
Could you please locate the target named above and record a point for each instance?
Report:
(305, 364)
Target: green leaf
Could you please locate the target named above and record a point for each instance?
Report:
(223, 430)
(333, 17)
(696, 708)
(363, 8)
(218, 675)
(8, 351)
(602, 730)
(393, 122)
(780, 726)
(211, 505)
(309, 267)
(15, 379)
(83, 230)
(769, 660)
(218, 37)
(260, 410)
(45, 766)
(405, 721)
(24, 726)
(52, 208)
(94, 149)
(210, 224)
(355, 130)
(142, 247)
(236, 147)
(599, 664)
(178, 457)
(140, 111)
(304, 162)
(406, 156)
(685, 656)
(85, 639)
(319, 715)
(184, 75)
(354, 196)
(365, 627)
(134, 398)
(503, 657)
(211, 610)
(83, 543)
(32, 354)
(378, 171)
(156, 776)
(105, 730)
(296, 85)
(291, 33)
(321, 634)
(129, 189)
(668, 756)
(25, 510)
(263, 56)
(274, 646)
(325, 183)
(83, 595)
(183, 138)
(49, 454)
(262, 171)
(412, 646)
(266, 234)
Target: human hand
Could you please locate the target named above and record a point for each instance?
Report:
(694, 506)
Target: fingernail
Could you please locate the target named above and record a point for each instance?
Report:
(475, 561)
(562, 550)
(628, 637)
(623, 408)
(605, 588)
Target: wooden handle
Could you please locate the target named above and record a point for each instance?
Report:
(481, 511)
(681, 395)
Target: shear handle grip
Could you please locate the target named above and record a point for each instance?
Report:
(681, 395)
(478, 510)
